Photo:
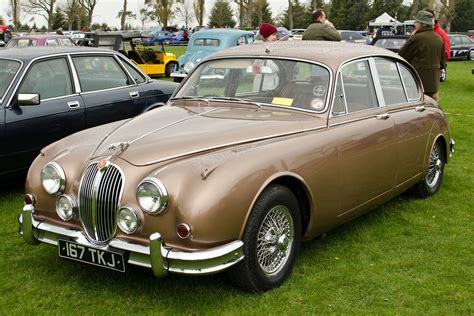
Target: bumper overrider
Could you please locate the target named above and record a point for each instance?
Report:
(157, 256)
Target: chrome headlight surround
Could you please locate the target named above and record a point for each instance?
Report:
(152, 196)
(188, 66)
(66, 207)
(128, 220)
(53, 178)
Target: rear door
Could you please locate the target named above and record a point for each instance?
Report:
(60, 113)
(108, 92)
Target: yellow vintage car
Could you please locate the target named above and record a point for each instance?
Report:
(153, 60)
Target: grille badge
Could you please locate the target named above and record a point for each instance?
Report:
(103, 164)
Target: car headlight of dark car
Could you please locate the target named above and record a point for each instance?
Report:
(53, 178)
(152, 196)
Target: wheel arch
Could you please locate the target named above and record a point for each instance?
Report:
(298, 187)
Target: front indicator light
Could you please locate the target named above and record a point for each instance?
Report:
(53, 178)
(128, 220)
(65, 207)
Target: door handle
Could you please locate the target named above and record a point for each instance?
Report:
(73, 104)
(420, 108)
(384, 116)
(134, 94)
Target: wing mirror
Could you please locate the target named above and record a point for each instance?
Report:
(28, 99)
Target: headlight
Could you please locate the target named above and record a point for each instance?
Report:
(152, 196)
(53, 178)
(128, 220)
(188, 66)
(65, 207)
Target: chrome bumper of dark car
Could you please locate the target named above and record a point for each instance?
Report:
(451, 147)
(157, 256)
(178, 74)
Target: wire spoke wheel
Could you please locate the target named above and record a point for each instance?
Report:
(275, 239)
(434, 167)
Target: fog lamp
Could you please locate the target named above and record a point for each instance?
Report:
(128, 220)
(65, 207)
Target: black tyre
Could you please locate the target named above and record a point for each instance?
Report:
(271, 241)
(169, 69)
(470, 55)
(432, 181)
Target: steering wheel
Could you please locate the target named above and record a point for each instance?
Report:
(149, 55)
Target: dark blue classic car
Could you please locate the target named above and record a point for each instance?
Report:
(48, 93)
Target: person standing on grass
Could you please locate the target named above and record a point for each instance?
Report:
(425, 52)
(447, 45)
(321, 29)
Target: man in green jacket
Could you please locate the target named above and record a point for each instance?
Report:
(321, 29)
(425, 52)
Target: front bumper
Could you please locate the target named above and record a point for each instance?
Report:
(157, 256)
(178, 74)
(452, 143)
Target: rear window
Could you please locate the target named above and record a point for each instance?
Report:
(22, 42)
(206, 42)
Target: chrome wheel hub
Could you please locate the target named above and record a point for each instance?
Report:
(275, 240)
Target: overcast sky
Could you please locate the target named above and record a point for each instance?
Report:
(107, 10)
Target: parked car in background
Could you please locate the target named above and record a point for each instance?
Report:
(470, 33)
(205, 42)
(390, 42)
(258, 149)
(353, 37)
(46, 94)
(5, 35)
(178, 38)
(153, 60)
(296, 34)
(157, 38)
(40, 40)
(462, 47)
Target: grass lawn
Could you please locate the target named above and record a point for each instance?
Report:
(407, 257)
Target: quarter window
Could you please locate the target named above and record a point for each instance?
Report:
(51, 42)
(409, 82)
(50, 78)
(99, 73)
(138, 77)
(390, 82)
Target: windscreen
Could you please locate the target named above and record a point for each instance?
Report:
(288, 83)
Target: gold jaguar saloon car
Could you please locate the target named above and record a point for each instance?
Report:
(258, 149)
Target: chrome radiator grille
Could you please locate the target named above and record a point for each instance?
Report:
(99, 198)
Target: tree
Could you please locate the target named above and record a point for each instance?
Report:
(124, 14)
(16, 13)
(349, 14)
(88, 6)
(198, 7)
(58, 19)
(244, 12)
(318, 4)
(449, 12)
(261, 13)
(74, 14)
(163, 10)
(289, 15)
(301, 16)
(45, 8)
(392, 7)
(221, 15)
(463, 20)
(184, 11)
(144, 15)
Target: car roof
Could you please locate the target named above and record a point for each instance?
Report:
(329, 53)
(221, 32)
(28, 53)
(40, 36)
(124, 35)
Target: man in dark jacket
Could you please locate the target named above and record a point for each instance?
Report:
(321, 29)
(425, 52)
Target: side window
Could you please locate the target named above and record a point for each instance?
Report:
(409, 82)
(465, 40)
(99, 73)
(390, 81)
(358, 86)
(138, 77)
(50, 78)
(339, 106)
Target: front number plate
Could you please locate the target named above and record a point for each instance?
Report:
(103, 258)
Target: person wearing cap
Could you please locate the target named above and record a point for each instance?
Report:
(267, 32)
(321, 29)
(425, 52)
(59, 31)
(447, 45)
